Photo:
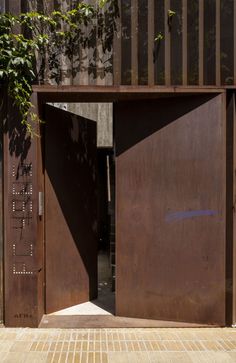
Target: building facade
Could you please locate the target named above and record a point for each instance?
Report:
(167, 86)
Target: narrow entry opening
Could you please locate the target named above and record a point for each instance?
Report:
(79, 210)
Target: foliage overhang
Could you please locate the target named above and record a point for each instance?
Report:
(32, 45)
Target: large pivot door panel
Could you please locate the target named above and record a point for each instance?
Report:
(170, 205)
(71, 209)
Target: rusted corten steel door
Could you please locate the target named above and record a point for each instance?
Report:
(23, 263)
(70, 209)
(170, 205)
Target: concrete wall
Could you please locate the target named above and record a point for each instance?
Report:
(102, 113)
(3, 110)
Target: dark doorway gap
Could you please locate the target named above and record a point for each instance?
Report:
(105, 228)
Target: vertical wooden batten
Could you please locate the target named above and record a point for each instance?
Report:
(117, 51)
(134, 42)
(13, 7)
(218, 76)
(201, 40)
(185, 43)
(151, 37)
(167, 45)
(2, 6)
(100, 76)
(234, 42)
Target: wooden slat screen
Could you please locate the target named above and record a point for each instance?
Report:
(159, 44)
(227, 40)
(150, 44)
(193, 44)
(196, 46)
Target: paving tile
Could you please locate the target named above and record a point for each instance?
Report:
(70, 357)
(164, 357)
(224, 345)
(49, 357)
(6, 345)
(123, 346)
(136, 346)
(128, 357)
(118, 345)
(232, 355)
(55, 357)
(3, 356)
(148, 345)
(35, 357)
(91, 357)
(8, 336)
(173, 345)
(211, 357)
(58, 346)
(104, 357)
(210, 345)
(110, 346)
(129, 345)
(84, 357)
(191, 345)
(76, 358)
(14, 357)
(157, 346)
(142, 345)
(84, 346)
(19, 346)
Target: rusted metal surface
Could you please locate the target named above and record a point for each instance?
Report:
(230, 209)
(124, 90)
(3, 113)
(231, 187)
(23, 267)
(70, 209)
(234, 17)
(40, 207)
(170, 205)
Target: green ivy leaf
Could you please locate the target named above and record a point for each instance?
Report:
(171, 13)
(18, 61)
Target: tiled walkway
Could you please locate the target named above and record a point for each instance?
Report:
(118, 345)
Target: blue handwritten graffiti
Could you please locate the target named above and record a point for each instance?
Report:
(176, 216)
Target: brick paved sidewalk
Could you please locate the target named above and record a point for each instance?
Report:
(118, 345)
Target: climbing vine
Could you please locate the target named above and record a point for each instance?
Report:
(32, 45)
